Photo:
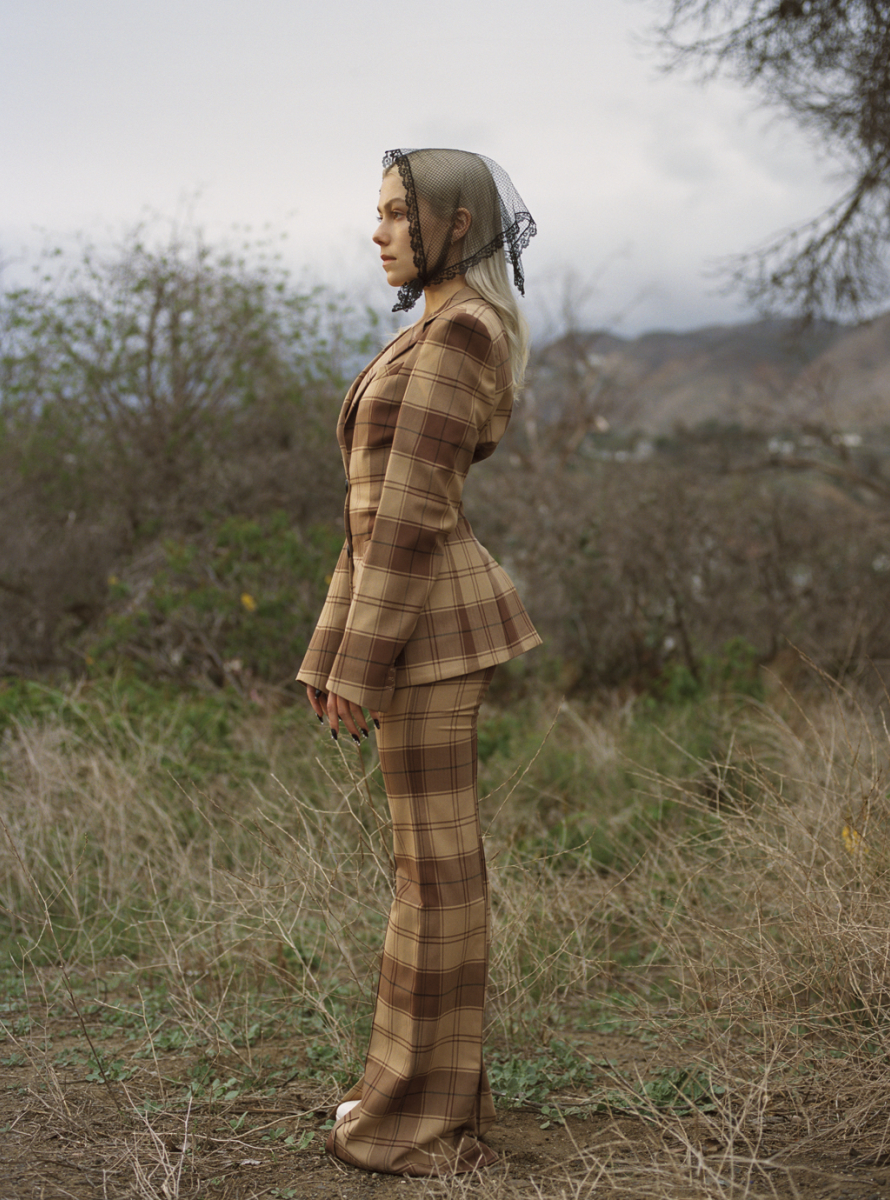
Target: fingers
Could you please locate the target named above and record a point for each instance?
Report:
(334, 709)
(352, 716)
(333, 715)
(361, 722)
(317, 699)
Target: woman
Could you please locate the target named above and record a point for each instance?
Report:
(417, 616)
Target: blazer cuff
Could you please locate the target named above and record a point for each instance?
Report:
(377, 699)
(312, 679)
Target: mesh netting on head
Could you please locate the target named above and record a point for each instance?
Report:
(438, 183)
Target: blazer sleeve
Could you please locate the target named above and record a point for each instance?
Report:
(447, 402)
(325, 641)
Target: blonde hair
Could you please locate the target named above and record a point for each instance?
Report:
(490, 280)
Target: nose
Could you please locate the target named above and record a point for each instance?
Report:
(379, 237)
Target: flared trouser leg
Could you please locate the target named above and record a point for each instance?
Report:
(425, 1096)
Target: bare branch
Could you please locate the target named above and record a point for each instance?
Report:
(825, 64)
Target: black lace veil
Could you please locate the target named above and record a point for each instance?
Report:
(439, 182)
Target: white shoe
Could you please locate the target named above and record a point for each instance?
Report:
(346, 1107)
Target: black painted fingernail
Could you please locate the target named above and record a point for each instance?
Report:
(317, 693)
(376, 722)
(365, 733)
(320, 717)
(357, 740)
(334, 734)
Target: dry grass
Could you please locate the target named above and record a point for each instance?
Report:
(720, 902)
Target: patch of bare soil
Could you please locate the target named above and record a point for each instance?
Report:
(66, 1135)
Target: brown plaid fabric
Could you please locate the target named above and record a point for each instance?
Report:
(425, 1094)
(431, 602)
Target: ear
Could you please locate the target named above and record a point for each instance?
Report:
(461, 224)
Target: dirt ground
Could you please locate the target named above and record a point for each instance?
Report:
(67, 1136)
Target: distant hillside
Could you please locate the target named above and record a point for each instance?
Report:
(766, 374)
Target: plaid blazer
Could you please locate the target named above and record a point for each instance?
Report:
(414, 596)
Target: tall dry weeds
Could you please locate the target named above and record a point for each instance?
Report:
(742, 925)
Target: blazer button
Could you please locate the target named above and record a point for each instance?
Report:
(347, 485)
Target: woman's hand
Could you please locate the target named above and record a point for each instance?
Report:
(336, 709)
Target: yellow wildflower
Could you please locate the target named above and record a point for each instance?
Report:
(853, 840)
(248, 601)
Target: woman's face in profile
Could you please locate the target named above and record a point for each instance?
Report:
(393, 234)
(441, 238)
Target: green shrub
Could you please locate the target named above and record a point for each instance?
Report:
(234, 605)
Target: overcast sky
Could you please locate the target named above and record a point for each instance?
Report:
(275, 114)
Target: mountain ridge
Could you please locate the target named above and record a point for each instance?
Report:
(765, 374)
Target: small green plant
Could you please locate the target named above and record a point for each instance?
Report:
(522, 1079)
(683, 1089)
(229, 606)
(118, 1070)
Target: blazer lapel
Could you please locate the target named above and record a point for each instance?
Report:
(405, 341)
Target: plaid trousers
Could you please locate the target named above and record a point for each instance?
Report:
(425, 1097)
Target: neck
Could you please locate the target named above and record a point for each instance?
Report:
(438, 294)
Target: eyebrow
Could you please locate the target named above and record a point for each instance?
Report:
(389, 204)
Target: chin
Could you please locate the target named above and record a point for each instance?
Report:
(398, 278)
